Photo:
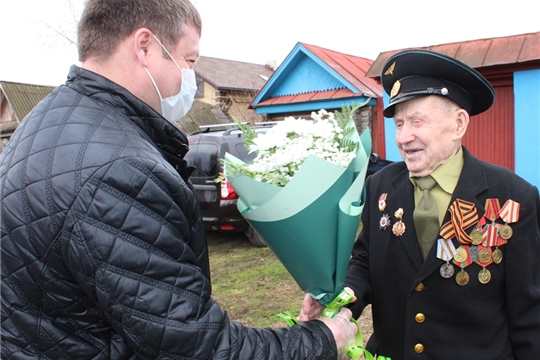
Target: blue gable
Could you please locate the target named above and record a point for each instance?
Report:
(302, 72)
(308, 76)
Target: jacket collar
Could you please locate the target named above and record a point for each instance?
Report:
(165, 136)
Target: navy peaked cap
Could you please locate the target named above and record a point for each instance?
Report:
(411, 74)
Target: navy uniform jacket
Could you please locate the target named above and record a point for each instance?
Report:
(418, 314)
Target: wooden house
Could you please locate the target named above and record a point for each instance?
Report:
(16, 101)
(313, 78)
(231, 85)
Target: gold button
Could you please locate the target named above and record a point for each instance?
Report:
(420, 318)
(419, 287)
(419, 348)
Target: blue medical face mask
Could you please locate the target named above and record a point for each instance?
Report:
(176, 107)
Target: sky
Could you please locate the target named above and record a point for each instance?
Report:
(258, 31)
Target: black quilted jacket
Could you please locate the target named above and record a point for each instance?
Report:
(103, 251)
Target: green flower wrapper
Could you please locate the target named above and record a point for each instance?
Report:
(312, 222)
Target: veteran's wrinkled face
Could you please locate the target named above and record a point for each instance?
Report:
(429, 130)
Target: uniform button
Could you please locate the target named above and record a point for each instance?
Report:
(419, 287)
(420, 318)
(419, 348)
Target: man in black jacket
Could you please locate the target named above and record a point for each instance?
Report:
(452, 271)
(103, 250)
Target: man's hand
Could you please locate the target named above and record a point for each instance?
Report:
(312, 309)
(343, 329)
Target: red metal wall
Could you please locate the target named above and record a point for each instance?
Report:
(490, 135)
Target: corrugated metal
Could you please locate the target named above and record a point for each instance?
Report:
(351, 68)
(515, 49)
(490, 135)
(24, 97)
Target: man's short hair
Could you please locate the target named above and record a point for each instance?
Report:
(105, 23)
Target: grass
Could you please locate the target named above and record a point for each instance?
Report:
(253, 286)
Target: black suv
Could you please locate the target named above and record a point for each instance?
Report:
(218, 200)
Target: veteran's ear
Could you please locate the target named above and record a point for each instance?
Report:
(461, 118)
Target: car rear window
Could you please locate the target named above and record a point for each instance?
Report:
(205, 159)
(243, 153)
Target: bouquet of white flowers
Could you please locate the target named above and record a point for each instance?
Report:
(304, 193)
(284, 148)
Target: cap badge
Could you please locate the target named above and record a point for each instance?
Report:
(390, 70)
(395, 89)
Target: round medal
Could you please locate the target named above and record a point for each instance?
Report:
(476, 237)
(462, 278)
(461, 254)
(506, 232)
(484, 276)
(447, 270)
(484, 256)
(497, 256)
(473, 251)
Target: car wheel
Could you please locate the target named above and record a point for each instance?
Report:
(255, 238)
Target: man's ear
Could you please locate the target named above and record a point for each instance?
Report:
(141, 45)
(462, 122)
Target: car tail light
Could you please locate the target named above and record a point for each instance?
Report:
(227, 191)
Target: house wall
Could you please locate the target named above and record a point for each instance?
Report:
(208, 94)
(8, 121)
(527, 125)
(232, 103)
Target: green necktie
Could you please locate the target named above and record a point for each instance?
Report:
(426, 216)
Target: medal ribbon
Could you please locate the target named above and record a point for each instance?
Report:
(491, 234)
(463, 215)
(509, 213)
(492, 209)
(445, 249)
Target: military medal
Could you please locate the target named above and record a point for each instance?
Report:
(399, 227)
(497, 256)
(473, 252)
(462, 277)
(447, 270)
(484, 276)
(460, 255)
(384, 222)
(445, 252)
(476, 237)
(509, 213)
(382, 202)
(505, 232)
(484, 256)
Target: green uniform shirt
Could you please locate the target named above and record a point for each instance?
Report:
(447, 176)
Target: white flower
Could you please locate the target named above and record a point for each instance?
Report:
(284, 147)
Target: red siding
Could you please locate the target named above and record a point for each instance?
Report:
(490, 135)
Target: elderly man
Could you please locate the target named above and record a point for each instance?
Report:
(103, 249)
(448, 255)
